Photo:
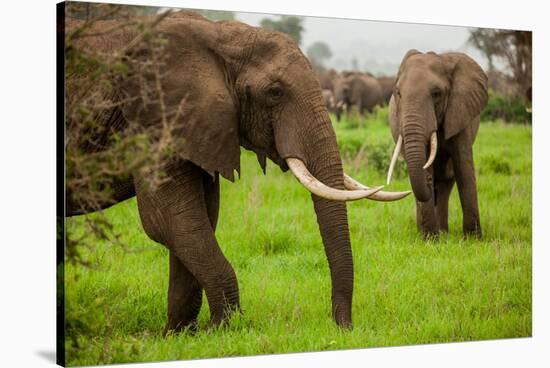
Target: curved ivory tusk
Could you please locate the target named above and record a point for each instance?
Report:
(394, 158)
(352, 184)
(299, 170)
(433, 150)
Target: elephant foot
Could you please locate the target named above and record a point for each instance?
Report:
(428, 225)
(472, 228)
(221, 315)
(182, 327)
(473, 233)
(430, 235)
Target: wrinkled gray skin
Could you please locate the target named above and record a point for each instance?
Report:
(357, 89)
(443, 93)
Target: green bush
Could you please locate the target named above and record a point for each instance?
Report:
(350, 144)
(379, 156)
(497, 165)
(360, 138)
(509, 109)
(353, 120)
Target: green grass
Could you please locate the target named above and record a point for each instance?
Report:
(407, 291)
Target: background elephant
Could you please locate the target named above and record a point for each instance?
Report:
(328, 99)
(387, 84)
(357, 89)
(242, 86)
(434, 111)
(326, 79)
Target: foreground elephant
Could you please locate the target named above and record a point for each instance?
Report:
(242, 86)
(357, 89)
(434, 116)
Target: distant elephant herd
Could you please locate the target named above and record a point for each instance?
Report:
(249, 87)
(353, 89)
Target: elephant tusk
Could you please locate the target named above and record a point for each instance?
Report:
(433, 150)
(303, 175)
(352, 184)
(394, 158)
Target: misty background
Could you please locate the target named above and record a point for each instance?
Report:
(378, 47)
(375, 46)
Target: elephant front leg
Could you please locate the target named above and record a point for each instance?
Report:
(442, 193)
(426, 220)
(184, 290)
(202, 256)
(463, 165)
(181, 215)
(184, 297)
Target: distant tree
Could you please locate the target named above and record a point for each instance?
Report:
(216, 14)
(93, 11)
(355, 64)
(288, 24)
(515, 48)
(483, 40)
(518, 55)
(318, 52)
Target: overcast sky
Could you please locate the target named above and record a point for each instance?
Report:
(377, 46)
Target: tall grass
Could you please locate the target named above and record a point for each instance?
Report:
(407, 291)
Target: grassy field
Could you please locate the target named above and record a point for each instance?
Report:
(407, 291)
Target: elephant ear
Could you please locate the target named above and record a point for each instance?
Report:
(198, 84)
(468, 95)
(395, 127)
(210, 127)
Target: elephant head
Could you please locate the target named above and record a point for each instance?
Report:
(342, 96)
(436, 96)
(245, 86)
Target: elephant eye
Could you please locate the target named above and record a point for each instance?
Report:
(275, 92)
(436, 93)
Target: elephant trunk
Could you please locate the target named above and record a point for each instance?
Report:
(415, 156)
(325, 164)
(313, 157)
